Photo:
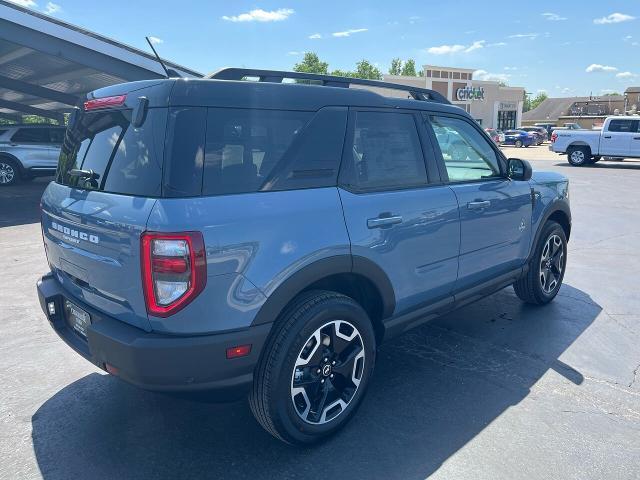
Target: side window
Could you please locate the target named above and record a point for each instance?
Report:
(622, 126)
(31, 135)
(243, 146)
(384, 153)
(56, 136)
(467, 154)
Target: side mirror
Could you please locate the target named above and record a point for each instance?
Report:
(519, 169)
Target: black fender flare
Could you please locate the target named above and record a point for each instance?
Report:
(320, 269)
(559, 205)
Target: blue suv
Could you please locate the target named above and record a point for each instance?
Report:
(267, 236)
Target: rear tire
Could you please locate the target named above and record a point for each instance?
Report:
(311, 377)
(9, 172)
(546, 268)
(579, 156)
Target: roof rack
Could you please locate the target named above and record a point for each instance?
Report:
(275, 76)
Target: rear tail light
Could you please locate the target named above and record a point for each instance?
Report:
(174, 270)
(104, 102)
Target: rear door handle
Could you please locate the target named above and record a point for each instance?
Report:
(478, 205)
(636, 138)
(607, 136)
(383, 221)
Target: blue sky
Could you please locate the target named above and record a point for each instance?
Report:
(566, 47)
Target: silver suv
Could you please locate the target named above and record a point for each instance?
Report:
(28, 151)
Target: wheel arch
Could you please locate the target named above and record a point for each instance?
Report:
(354, 276)
(16, 160)
(579, 143)
(558, 212)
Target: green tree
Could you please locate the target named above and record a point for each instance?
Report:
(311, 64)
(611, 94)
(364, 69)
(409, 68)
(396, 67)
(538, 99)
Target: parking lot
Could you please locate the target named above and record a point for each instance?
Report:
(496, 390)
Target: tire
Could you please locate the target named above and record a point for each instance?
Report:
(300, 360)
(518, 143)
(596, 159)
(537, 286)
(579, 156)
(9, 171)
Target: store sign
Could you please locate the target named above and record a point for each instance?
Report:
(508, 106)
(470, 93)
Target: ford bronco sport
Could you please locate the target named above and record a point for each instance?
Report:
(233, 235)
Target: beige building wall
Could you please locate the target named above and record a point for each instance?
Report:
(499, 105)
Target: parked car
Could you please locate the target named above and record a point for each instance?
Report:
(28, 151)
(618, 139)
(519, 138)
(207, 234)
(540, 133)
(567, 126)
(547, 126)
(496, 135)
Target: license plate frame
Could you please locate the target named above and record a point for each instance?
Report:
(77, 318)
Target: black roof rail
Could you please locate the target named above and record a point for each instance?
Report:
(275, 76)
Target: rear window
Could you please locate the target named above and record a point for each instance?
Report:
(623, 126)
(123, 159)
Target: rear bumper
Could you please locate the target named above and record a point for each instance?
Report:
(157, 362)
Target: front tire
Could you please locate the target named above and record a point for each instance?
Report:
(579, 156)
(315, 368)
(546, 268)
(518, 144)
(9, 172)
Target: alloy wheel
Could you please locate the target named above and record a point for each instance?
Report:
(551, 263)
(327, 372)
(577, 156)
(7, 173)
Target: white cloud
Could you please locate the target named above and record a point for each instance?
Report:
(511, 68)
(596, 67)
(348, 33)
(294, 52)
(155, 40)
(52, 8)
(25, 3)
(553, 17)
(450, 49)
(626, 75)
(613, 18)
(486, 76)
(315, 36)
(260, 15)
(532, 36)
(497, 44)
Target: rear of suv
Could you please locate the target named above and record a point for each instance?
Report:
(267, 236)
(28, 151)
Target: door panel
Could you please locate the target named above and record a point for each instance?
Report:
(394, 216)
(495, 212)
(495, 222)
(616, 141)
(418, 252)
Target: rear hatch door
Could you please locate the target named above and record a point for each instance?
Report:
(108, 179)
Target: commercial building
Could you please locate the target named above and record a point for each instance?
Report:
(588, 112)
(490, 103)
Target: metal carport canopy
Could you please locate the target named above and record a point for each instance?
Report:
(47, 66)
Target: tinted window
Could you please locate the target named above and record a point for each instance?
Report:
(384, 152)
(467, 154)
(185, 148)
(56, 135)
(623, 126)
(31, 135)
(124, 159)
(244, 146)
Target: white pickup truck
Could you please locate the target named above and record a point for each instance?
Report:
(619, 138)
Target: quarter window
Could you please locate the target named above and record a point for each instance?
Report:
(31, 135)
(467, 154)
(384, 153)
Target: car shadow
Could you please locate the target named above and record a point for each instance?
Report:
(607, 164)
(434, 389)
(20, 203)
